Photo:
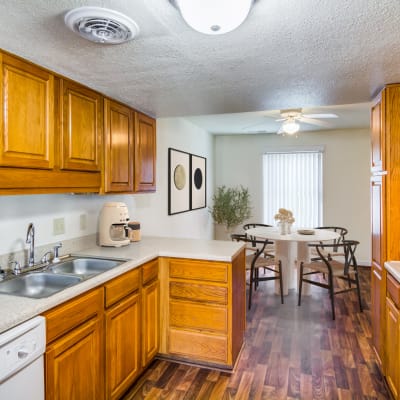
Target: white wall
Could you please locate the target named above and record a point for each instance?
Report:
(346, 175)
(150, 209)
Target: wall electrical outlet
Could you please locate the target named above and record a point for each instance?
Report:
(83, 222)
(58, 226)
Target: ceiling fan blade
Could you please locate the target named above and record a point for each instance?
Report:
(313, 121)
(320, 115)
(281, 119)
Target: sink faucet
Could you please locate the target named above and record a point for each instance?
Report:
(30, 239)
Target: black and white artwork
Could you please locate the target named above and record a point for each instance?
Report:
(198, 182)
(178, 181)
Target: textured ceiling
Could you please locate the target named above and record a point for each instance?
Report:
(287, 54)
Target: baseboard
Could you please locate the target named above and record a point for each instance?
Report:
(364, 263)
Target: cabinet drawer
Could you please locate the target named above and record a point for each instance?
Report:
(120, 287)
(393, 288)
(198, 270)
(198, 345)
(201, 293)
(149, 271)
(198, 316)
(67, 316)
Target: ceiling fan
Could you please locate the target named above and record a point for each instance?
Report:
(290, 119)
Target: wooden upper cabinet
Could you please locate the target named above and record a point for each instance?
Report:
(390, 115)
(377, 137)
(81, 127)
(145, 154)
(118, 147)
(26, 115)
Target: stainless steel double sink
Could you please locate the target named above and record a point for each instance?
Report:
(56, 277)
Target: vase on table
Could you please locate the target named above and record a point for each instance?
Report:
(283, 228)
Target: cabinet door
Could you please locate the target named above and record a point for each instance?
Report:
(26, 115)
(378, 219)
(81, 127)
(377, 312)
(119, 148)
(392, 347)
(378, 285)
(391, 101)
(74, 364)
(145, 153)
(150, 322)
(122, 346)
(377, 138)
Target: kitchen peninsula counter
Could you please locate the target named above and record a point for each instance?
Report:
(15, 309)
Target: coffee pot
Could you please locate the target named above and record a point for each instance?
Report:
(113, 225)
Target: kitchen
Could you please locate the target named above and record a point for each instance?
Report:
(80, 212)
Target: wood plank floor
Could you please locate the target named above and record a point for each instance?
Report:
(291, 352)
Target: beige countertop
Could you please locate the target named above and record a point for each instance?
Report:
(394, 268)
(16, 309)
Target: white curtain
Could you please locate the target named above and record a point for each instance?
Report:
(293, 180)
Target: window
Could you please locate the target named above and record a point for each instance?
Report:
(293, 180)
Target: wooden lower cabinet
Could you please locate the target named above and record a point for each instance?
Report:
(392, 347)
(150, 321)
(203, 310)
(378, 296)
(122, 330)
(392, 340)
(100, 342)
(74, 355)
(74, 364)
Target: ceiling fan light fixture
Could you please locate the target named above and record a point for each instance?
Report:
(290, 126)
(213, 17)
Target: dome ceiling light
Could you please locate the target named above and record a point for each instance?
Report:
(213, 17)
(101, 25)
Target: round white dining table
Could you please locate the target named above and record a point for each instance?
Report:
(292, 249)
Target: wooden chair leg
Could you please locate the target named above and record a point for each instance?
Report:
(280, 279)
(256, 276)
(300, 283)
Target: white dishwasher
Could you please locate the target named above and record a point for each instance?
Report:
(21, 361)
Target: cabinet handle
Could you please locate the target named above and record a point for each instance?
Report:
(379, 173)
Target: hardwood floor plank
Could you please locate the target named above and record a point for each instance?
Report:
(306, 389)
(317, 379)
(187, 381)
(327, 363)
(219, 388)
(294, 382)
(290, 352)
(331, 392)
(243, 391)
(258, 382)
(340, 373)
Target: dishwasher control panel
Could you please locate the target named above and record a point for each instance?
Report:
(21, 345)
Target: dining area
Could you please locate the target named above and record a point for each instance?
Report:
(299, 259)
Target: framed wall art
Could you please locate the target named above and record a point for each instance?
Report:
(198, 182)
(178, 181)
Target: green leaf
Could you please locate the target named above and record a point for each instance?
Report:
(231, 206)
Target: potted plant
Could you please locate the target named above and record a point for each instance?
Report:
(231, 206)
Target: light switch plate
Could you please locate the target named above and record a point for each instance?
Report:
(58, 226)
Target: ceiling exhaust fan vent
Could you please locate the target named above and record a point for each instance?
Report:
(101, 25)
